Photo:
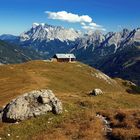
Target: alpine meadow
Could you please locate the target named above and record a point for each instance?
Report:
(69, 70)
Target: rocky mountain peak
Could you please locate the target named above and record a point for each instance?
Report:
(34, 25)
(137, 35)
(92, 38)
(47, 32)
(125, 32)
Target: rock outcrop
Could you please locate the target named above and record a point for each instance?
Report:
(31, 104)
(96, 92)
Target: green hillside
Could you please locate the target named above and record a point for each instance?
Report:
(11, 54)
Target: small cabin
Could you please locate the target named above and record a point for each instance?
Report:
(64, 57)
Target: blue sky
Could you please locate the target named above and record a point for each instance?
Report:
(17, 16)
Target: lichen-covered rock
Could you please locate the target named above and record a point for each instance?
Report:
(31, 104)
(96, 92)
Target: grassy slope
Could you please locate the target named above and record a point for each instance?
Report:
(70, 82)
(64, 78)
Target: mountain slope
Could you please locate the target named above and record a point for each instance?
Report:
(8, 37)
(112, 53)
(48, 39)
(13, 54)
(97, 45)
(71, 83)
(94, 48)
(60, 77)
(124, 64)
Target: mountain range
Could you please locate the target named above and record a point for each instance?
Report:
(115, 53)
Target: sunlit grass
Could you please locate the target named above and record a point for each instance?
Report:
(71, 83)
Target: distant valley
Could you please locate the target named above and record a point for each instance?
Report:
(11, 54)
(115, 53)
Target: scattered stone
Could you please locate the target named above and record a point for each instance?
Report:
(129, 83)
(104, 77)
(79, 66)
(96, 92)
(107, 128)
(31, 104)
(16, 122)
(66, 110)
(8, 135)
(50, 119)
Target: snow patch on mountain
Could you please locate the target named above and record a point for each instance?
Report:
(48, 32)
(35, 25)
(137, 36)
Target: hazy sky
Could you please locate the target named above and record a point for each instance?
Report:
(17, 16)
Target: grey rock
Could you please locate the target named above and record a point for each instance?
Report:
(88, 40)
(106, 123)
(48, 33)
(0, 116)
(31, 104)
(96, 92)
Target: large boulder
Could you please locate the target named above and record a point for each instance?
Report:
(31, 104)
(96, 92)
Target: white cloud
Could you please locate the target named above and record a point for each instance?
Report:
(85, 21)
(93, 26)
(69, 17)
(83, 24)
(86, 27)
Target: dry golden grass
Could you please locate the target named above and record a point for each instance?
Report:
(81, 126)
(125, 123)
(71, 83)
(60, 77)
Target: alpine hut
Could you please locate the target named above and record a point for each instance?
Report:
(64, 57)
